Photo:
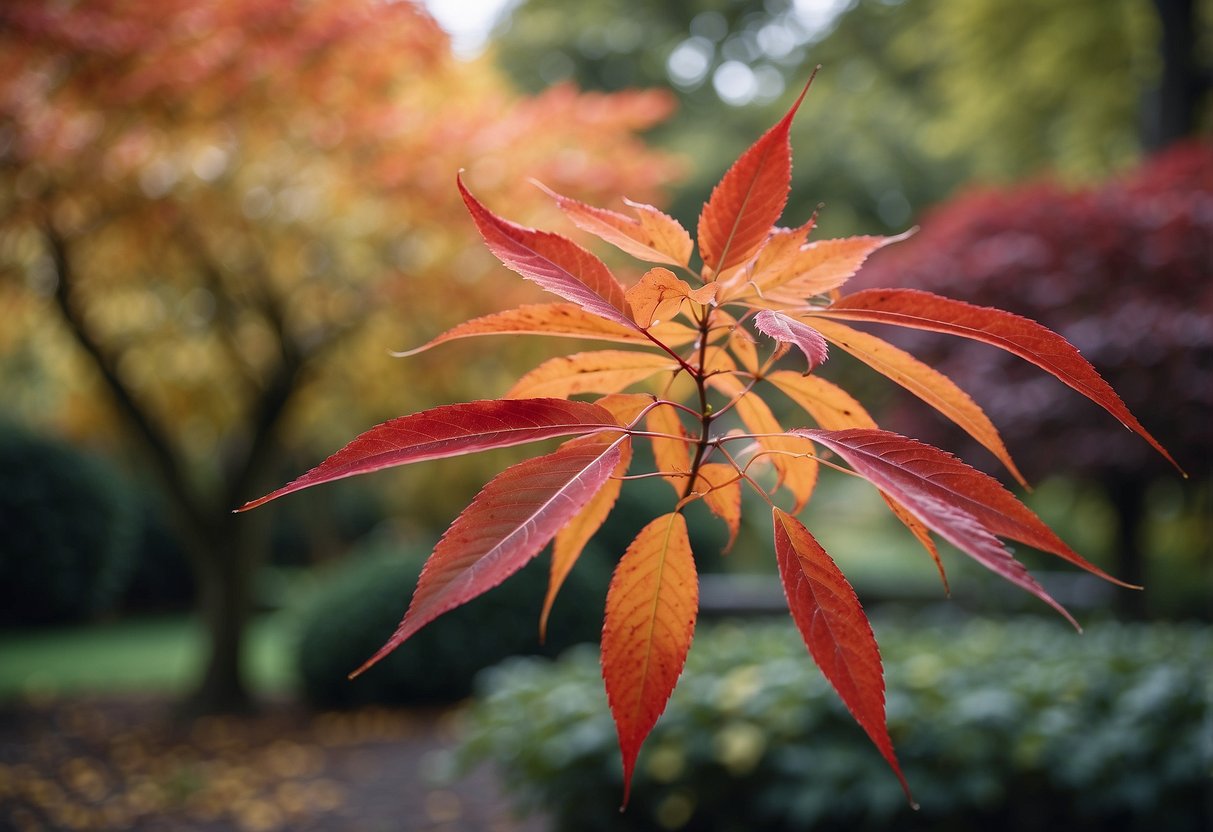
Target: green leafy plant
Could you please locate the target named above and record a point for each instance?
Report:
(697, 336)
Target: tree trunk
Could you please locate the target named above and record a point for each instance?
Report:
(225, 563)
(1171, 108)
(1128, 496)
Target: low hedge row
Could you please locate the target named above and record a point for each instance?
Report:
(999, 726)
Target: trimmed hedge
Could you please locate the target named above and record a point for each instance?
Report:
(67, 531)
(365, 596)
(999, 726)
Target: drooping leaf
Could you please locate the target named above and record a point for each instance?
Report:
(791, 455)
(671, 456)
(651, 235)
(554, 262)
(1020, 336)
(604, 371)
(789, 331)
(451, 430)
(924, 381)
(506, 525)
(720, 486)
(835, 629)
(745, 204)
(660, 294)
(571, 540)
(818, 268)
(651, 608)
(964, 506)
(566, 320)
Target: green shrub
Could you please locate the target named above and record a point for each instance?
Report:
(365, 596)
(998, 726)
(66, 532)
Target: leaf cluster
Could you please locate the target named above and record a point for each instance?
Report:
(719, 331)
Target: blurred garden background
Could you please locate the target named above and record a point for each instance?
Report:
(217, 220)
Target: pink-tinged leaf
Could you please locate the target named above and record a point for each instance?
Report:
(651, 235)
(651, 608)
(819, 267)
(603, 371)
(835, 629)
(720, 486)
(508, 523)
(571, 540)
(564, 320)
(557, 264)
(789, 331)
(660, 294)
(744, 206)
(451, 430)
(924, 381)
(1017, 335)
(672, 456)
(964, 506)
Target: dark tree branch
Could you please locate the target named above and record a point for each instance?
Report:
(155, 442)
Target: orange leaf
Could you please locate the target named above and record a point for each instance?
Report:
(571, 540)
(924, 381)
(672, 456)
(1027, 339)
(625, 407)
(830, 406)
(772, 259)
(651, 608)
(741, 344)
(604, 371)
(819, 268)
(506, 525)
(660, 294)
(554, 262)
(651, 235)
(746, 203)
(721, 489)
(835, 629)
(565, 320)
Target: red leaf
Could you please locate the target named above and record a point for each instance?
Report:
(651, 608)
(835, 629)
(1020, 336)
(508, 523)
(554, 262)
(744, 206)
(964, 506)
(451, 430)
(789, 331)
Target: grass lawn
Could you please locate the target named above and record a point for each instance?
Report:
(145, 654)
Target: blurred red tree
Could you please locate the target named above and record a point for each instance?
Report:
(210, 213)
(1124, 272)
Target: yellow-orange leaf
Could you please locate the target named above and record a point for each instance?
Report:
(660, 294)
(720, 486)
(791, 456)
(818, 268)
(605, 371)
(651, 608)
(625, 407)
(652, 235)
(670, 455)
(571, 540)
(741, 344)
(774, 256)
(930, 385)
(565, 320)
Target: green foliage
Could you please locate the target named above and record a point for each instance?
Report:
(66, 532)
(359, 608)
(999, 726)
